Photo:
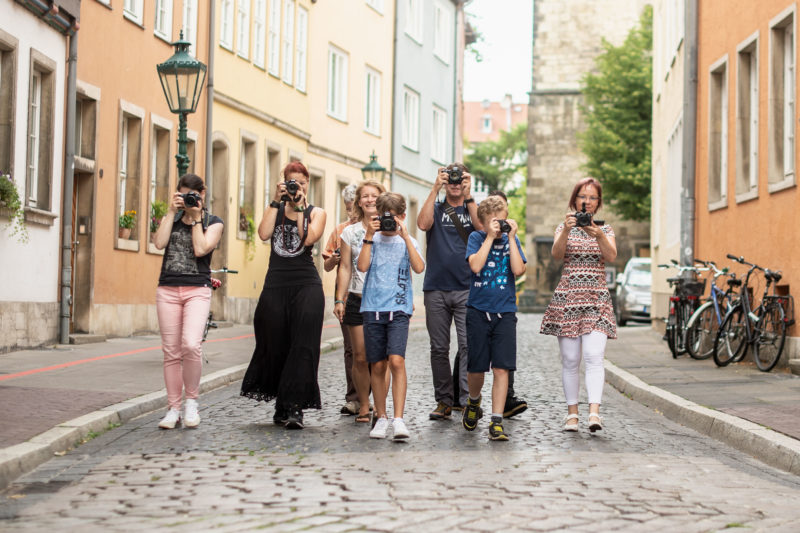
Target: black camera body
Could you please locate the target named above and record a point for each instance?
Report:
(505, 227)
(292, 188)
(583, 219)
(387, 221)
(454, 175)
(191, 199)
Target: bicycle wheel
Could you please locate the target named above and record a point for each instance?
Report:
(702, 331)
(671, 333)
(770, 337)
(686, 309)
(730, 340)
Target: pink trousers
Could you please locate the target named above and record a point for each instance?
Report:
(182, 314)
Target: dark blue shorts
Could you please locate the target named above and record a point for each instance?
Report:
(491, 340)
(384, 337)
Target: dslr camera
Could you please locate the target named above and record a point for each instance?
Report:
(292, 188)
(191, 199)
(388, 223)
(454, 175)
(583, 219)
(505, 227)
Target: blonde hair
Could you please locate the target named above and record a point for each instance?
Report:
(391, 201)
(489, 206)
(356, 207)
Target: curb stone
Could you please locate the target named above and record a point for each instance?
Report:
(21, 458)
(766, 445)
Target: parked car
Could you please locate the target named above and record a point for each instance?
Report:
(633, 291)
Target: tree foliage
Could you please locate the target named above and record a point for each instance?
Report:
(618, 113)
(496, 162)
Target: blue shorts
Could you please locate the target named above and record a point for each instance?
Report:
(384, 337)
(491, 340)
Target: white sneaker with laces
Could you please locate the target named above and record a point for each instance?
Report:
(191, 418)
(381, 429)
(172, 417)
(400, 430)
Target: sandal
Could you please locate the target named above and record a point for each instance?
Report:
(567, 425)
(363, 419)
(597, 424)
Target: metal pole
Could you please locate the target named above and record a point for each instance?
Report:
(689, 133)
(181, 156)
(209, 174)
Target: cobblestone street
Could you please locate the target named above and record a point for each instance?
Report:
(238, 472)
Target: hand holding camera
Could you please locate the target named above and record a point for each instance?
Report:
(584, 219)
(387, 222)
(292, 192)
(192, 199)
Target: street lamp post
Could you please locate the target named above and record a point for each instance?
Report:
(182, 77)
(373, 171)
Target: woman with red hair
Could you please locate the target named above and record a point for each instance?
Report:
(288, 317)
(580, 313)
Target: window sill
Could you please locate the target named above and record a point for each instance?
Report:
(127, 244)
(415, 150)
(39, 216)
(444, 61)
(373, 133)
(243, 56)
(334, 117)
(162, 37)
(719, 204)
(274, 73)
(747, 196)
(225, 46)
(132, 18)
(787, 183)
(415, 39)
(151, 249)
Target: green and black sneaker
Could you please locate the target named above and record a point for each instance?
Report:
(472, 413)
(496, 431)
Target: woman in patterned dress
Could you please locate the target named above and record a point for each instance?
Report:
(580, 313)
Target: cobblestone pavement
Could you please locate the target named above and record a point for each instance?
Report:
(238, 472)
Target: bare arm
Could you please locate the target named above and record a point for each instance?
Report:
(518, 266)
(316, 227)
(416, 261)
(472, 207)
(342, 280)
(161, 238)
(608, 245)
(425, 215)
(365, 256)
(560, 243)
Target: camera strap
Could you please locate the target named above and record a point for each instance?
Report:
(456, 222)
(306, 216)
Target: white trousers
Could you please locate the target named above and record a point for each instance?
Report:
(592, 346)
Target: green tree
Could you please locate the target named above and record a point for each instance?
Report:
(618, 113)
(496, 162)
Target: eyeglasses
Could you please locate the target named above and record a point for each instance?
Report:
(590, 198)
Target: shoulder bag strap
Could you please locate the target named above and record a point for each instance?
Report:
(456, 222)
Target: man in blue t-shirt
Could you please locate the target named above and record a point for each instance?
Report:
(447, 275)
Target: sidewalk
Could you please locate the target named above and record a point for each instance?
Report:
(56, 397)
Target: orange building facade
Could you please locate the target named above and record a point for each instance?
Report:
(746, 167)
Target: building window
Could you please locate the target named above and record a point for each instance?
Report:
(40, 134)
(163, 24)
(159, 167)
(372, 102)
(259, 32)
(129, 169)
(274, 38)
(132, 10)
(302, 47)
(226, 24)
(439, 135)
(747, 121)
(337, 83)
(377, 5)
(288, 42)
(414, 19)
(189, 25)
(442, 36)
(7, 84)
(247, 184)
(486, 124)
(85, 128)
(782, 102)
(410, 124)
(272, 171)
(243, 29)
(718, 135)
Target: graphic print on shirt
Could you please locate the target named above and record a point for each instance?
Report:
(179, 257)
(495, 273)
(403, 284)
(288, 246)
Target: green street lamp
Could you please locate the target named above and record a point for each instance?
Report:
(373, 171)
(182, 78)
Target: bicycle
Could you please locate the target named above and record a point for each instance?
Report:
(215, 284)
(762, 328)
(703, 325)
(682, 304)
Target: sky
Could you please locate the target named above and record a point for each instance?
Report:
(507, 50)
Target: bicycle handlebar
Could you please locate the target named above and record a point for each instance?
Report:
(225, 270)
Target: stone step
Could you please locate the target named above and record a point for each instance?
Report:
(85, 338)
(794, 365)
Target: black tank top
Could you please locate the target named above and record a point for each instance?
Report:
(290, 263)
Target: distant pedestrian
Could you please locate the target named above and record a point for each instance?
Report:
(332, 256)
(349, 286)
(188, 234)
(580, 313)
(289, 313)
(388, 256)
(496, 258)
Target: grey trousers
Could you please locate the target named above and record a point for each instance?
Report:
(441, 309)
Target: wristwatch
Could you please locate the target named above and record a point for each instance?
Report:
(194, 223)
(469, 201)
(275, 204)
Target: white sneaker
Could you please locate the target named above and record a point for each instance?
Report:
(400, 429)
(168, 422)
(191, 418)
(381, 429)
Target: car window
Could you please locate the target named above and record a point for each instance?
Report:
(640, 276)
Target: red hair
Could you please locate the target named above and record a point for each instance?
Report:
(295, 167)
(580, 185)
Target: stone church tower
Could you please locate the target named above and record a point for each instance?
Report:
(567, 36)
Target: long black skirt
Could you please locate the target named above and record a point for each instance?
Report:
(288, 330)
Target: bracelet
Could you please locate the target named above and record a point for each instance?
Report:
(365, 241)
(275, 204)
(338, 302)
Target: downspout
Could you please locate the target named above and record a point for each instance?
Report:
(689, 133)
(457, 69)
(210, 106)
(394, 95)
(67, 193)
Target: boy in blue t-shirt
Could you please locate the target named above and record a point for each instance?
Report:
(491, 311)
(388, 257)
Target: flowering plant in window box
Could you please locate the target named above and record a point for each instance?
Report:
(126, 222)
(10, 201)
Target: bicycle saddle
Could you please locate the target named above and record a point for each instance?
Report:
(735, 282)
(675, 280)
(774, 276)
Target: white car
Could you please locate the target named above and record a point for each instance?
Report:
(633, 291)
